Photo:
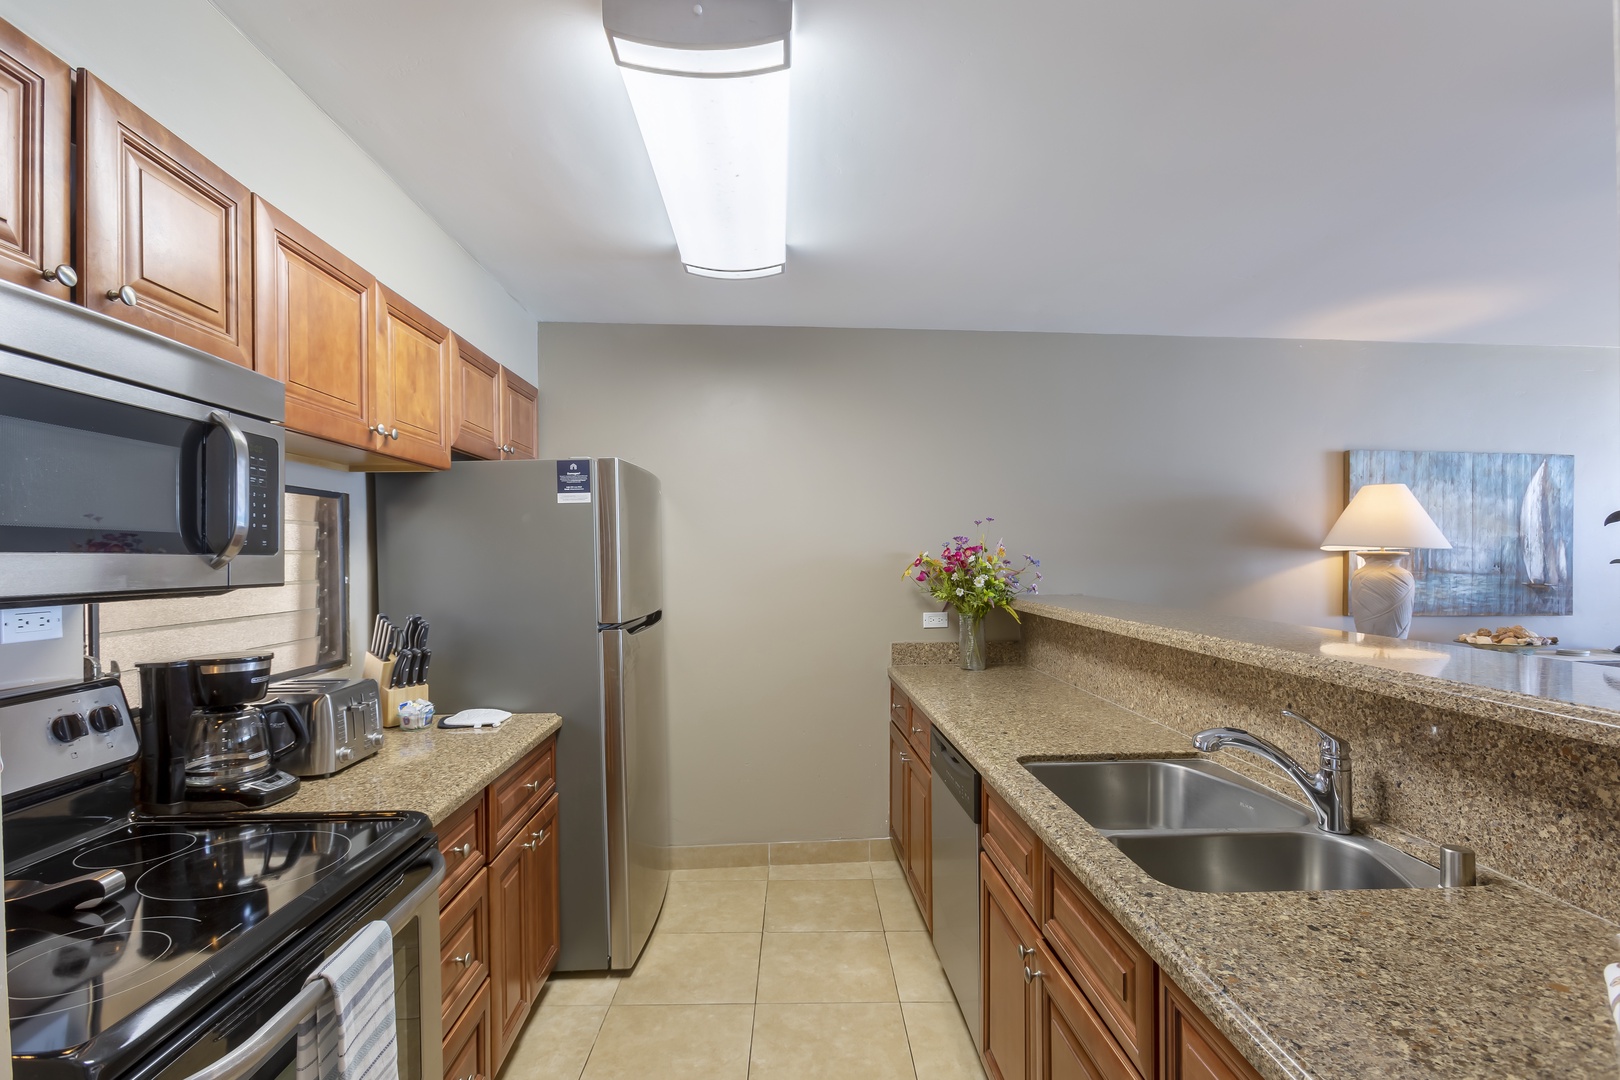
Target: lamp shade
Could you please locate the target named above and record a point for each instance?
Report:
(1384, 516)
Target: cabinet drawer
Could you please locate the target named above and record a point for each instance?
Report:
(464, 946)
(467, 1043)
(1012, 846)
(521, 791)
(914, 723)
(1118, 977)
(1071, 1040)
(900, 710)
(464, 843)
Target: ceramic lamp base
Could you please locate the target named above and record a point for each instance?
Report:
(1381, 594)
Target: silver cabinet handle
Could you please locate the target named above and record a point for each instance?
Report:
(541, 835)
(464, 960)
(239, 498)
(509, 449)
(535, 786)
(124, 294)
(381, 429)
(904, 758)
(464, 850)
(897, 707)
(394, 434)
(63, 274)
(1023, 952)
(915, 730)
(530, 846)
(1031, 976)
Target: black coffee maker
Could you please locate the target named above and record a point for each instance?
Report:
(204, 745)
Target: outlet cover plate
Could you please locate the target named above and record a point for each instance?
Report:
(935, 620)
(30, 624)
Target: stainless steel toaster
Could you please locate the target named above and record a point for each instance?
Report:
(344, 721)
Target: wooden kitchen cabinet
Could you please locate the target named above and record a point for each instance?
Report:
(1070, 1039)
(911, 804)
(1008, 941)
(496, 413)
(1013, 847)
(1189, 1046)
(36, 146)
(163, 233)
(514, 902)
(314, 329)
(411, 382)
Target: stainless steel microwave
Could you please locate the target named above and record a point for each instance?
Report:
(130, 465)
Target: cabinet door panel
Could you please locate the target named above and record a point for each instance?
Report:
(162, 219)
(477, 386)
(1189, 1046)
(468, 1053)
(542, 937)
(920, 835)
(1071, 1039)
(412, 382)
(36, 116)
(899, 754)
(1007, 938)
(313, 328)
(508, 975)
(520, 418)
(464, 946)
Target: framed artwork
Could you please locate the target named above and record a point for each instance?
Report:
(1510, 519)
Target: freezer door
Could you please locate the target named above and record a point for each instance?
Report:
(637, 736)
(628, 530)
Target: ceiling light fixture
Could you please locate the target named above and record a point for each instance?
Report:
(709, 85)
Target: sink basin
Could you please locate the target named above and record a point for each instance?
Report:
(1190, 794)
(1301, 860)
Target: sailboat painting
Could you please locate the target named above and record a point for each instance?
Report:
(1510, 519)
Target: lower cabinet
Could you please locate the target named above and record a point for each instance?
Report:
(911, 802)
(1008, 940)
(1190, 1048)
(499, 924)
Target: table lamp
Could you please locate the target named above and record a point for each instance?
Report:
(1380, 524)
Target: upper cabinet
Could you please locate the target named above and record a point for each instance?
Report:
(496, 412)
(411, 380)
(315, 329)
(163, 232)
(36, 118)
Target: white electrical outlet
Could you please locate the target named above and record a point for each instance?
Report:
(30, 624)
(935, 620)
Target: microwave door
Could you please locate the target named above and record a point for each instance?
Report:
(105, 487)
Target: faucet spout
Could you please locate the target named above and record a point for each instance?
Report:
(1327, 790)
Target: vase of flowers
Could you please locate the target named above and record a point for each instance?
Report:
(975, 579)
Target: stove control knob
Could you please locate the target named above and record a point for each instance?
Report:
(104, 718)
(68, 727)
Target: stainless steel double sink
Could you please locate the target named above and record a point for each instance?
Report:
(1195, 825)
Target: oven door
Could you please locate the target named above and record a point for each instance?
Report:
(252, 1035)
(112, 490)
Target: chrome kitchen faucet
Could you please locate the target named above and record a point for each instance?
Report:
(1328, 790)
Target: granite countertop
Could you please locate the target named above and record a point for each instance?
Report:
(1496, 980)
(1576, 700)
(435, 770)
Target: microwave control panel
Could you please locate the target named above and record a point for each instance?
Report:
(264, 497)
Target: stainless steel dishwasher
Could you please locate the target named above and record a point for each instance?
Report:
(955, 824)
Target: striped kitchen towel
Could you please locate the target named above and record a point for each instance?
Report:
(351, 1034)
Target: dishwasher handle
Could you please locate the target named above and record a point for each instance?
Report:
(953, 770)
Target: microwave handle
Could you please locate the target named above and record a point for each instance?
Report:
(250, 1054)
(239, 489)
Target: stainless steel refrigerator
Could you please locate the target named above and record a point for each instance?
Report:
(543, 585)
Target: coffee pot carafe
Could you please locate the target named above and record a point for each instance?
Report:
(204, 745)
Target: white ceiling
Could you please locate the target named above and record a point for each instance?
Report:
(1418, 170)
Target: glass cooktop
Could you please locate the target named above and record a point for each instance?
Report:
(203, 901)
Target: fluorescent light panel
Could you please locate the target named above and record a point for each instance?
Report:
(719, 150)
(749, 59)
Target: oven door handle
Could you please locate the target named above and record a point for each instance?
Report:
(239, 489)
(251, 1054)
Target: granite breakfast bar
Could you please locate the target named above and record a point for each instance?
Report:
(1502, 979)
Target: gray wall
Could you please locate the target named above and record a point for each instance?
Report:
(803, 468)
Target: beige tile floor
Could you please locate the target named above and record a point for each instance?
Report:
(762, 973)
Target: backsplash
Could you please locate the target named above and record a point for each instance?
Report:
(1535, 806)
(997, 653)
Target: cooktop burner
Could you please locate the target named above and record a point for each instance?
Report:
(203, 896)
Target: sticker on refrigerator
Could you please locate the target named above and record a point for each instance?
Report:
(574, 481)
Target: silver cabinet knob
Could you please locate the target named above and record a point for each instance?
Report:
(464, 850)
(541, 835)
(897, 707)
(380, 429)
(530, 846)
(394, 434)
(534, 786)
(464, 960)
(904, 758)
(1023, 952)
(63, 274)
(124, 294)
(1031, 976)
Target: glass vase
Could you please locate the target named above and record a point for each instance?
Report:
(972, 631)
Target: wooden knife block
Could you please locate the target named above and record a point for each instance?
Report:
(392, 696)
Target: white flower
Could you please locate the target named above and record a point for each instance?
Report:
(978, 582)
(961, 592)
